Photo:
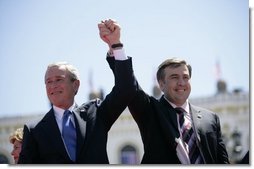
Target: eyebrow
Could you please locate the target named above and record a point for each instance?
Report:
(61, 76)
(173, 75)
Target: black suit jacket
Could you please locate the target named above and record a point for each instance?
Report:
(157, 122)
(42, 142)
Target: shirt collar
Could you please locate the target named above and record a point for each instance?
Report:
(59, 111)
(185, 106)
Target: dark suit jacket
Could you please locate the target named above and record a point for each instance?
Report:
(42, 142)
(157, 122)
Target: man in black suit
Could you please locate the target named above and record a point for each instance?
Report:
(43, 142)
(166, 139)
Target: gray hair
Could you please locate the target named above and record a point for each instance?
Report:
(73, 71)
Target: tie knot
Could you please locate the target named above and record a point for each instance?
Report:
(179, 110)
(67, 112)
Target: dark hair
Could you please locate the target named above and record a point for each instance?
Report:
(173, 63)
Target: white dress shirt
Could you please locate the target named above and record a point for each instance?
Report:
(181, 148)
(59, 115)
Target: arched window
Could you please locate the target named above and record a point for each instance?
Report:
(4, 159)
(129, 155)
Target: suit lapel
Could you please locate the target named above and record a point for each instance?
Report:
(196, 118)
(53, 132)
(80, 122)
(85, 118)
(168, 120)
(170, 113)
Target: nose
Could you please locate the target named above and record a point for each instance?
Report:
(12, 152)
(52, 85)
(181, 82)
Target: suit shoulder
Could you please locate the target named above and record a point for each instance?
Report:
(207, 115)
(36, 122)
(203, 110)
(89, 108)
(89, 104)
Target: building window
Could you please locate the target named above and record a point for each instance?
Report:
(129, 155)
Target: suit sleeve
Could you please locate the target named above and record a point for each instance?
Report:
(139, 103)
(222, 155)
(122, 93)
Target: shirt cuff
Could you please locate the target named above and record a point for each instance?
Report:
(120, 54)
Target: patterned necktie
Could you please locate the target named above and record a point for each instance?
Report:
(189, 138)
(69, 135)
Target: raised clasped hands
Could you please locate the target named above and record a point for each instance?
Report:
(109, 31)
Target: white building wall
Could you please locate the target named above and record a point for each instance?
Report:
(124, 132)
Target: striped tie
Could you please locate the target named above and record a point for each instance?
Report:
(189, 138)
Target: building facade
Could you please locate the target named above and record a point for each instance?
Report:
(7, 126)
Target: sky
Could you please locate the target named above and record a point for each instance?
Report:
(35, 33)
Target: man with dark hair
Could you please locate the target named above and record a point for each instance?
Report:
(173, 130)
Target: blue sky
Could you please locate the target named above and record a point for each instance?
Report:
(35, 33)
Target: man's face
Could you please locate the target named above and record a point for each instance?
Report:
(176, 84)
(60, 88)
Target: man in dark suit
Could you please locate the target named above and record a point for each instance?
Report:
(173, 130)
(44, 143)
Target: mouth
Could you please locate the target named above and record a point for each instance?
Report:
(180, 90)
(56, 92)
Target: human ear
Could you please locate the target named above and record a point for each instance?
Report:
(161, 84)
(76, 84)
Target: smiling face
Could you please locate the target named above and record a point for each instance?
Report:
(60, 87)
(175, 84)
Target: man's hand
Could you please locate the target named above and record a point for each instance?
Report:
(109, 32)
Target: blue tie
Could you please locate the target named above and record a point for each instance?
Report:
(69, 134)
